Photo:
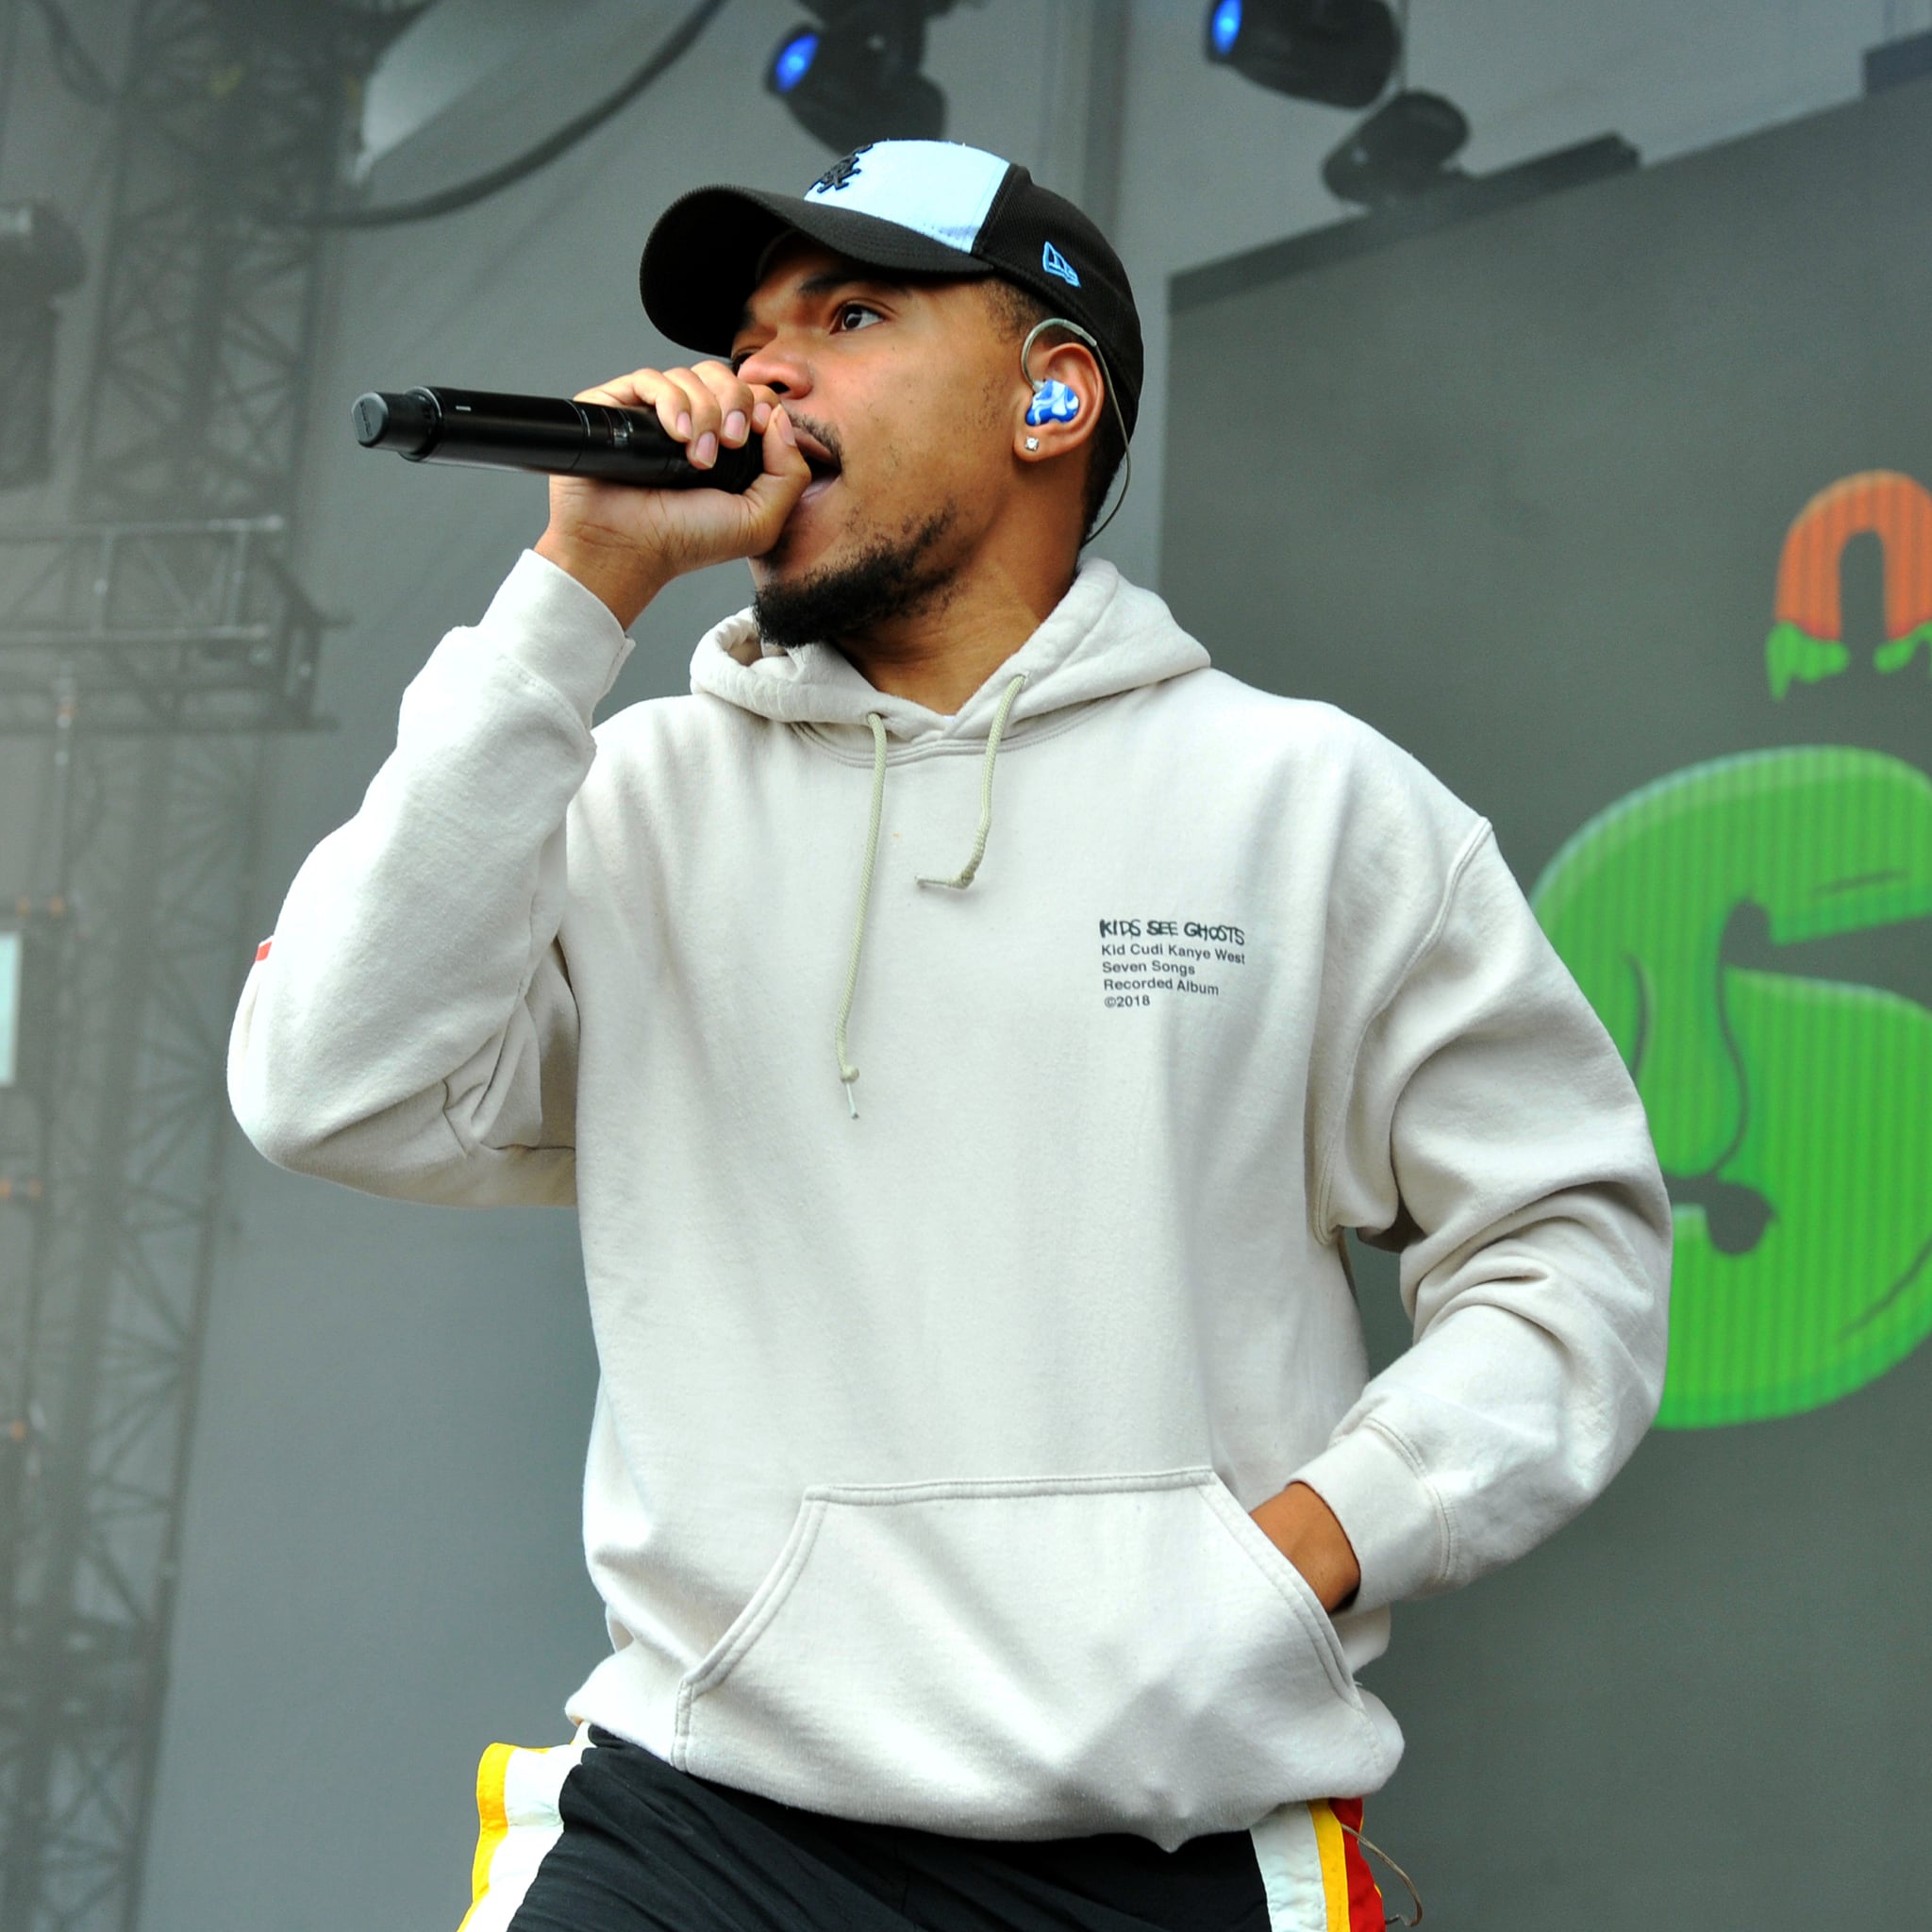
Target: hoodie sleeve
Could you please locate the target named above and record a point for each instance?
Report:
(411, 1029)
(1491, 1130)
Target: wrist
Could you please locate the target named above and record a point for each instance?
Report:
(1303, 1527)
(613, 573)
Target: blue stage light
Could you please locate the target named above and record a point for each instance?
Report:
(855, 76)
(794, 61)
(1338, 51)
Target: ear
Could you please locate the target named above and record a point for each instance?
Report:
(1073, 364)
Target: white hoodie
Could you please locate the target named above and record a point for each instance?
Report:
(919, 1474)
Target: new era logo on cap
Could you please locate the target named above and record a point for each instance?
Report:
(1055, 263)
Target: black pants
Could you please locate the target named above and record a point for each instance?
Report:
(603, 1836)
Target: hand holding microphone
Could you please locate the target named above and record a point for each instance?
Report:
(627, 544)
(623, 539)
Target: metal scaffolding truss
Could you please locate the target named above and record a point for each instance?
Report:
(123, 1060)
(156, 627)
(231, 132)
(154, 643)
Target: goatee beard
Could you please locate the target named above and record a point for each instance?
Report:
(890, 578)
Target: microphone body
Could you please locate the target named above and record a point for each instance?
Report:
(546, 434)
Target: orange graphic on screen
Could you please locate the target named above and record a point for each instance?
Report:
(1806, 642)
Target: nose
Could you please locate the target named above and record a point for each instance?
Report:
(780, 366)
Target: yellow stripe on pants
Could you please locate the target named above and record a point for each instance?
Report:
(1298, 1849)
(1334, 1853)
(492, 1822)
(519, 1795)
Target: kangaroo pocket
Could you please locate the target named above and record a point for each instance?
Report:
(1032, 1658)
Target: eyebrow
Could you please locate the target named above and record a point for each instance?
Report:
(826, 282)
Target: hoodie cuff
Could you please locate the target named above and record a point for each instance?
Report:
(556, 628)
(1393, 1518)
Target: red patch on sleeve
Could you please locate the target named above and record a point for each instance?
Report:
(261, 950)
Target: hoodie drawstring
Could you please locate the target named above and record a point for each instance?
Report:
(963, 877)
(848, 1074)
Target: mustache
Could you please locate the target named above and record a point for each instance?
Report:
(820, 431)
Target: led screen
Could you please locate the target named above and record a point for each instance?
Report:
(1614, 508)
(9, 1007)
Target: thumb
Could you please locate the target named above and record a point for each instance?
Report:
(775, 493)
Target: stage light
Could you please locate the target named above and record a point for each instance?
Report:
(39, 258)
(856, 77)
(1401, 151)
(1338, 51)
(793, 62)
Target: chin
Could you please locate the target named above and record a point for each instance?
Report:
(796, 554)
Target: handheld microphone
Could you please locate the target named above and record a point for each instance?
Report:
(544, 434)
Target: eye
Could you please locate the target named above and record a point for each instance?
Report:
(842, 323)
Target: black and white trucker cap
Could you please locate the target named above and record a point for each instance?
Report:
(921, 206)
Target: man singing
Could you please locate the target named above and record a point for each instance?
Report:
(965, 1026)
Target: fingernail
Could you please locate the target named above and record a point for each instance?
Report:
(706, 451)
(786, 430)
(735, 426)
(684, 424)
(761, 415)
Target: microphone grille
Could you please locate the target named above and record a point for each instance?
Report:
(371, 418)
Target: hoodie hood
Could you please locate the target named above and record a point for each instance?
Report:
(1104, 637)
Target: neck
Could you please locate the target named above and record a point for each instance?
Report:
(939, 655)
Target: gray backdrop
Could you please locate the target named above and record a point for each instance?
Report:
(1513, 490)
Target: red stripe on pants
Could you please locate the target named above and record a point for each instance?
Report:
(1365, 1911)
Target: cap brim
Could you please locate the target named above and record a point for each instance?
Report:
(702, 260)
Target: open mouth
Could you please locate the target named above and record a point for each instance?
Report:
(823, 465)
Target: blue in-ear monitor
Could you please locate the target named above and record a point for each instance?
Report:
(1053, 402)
